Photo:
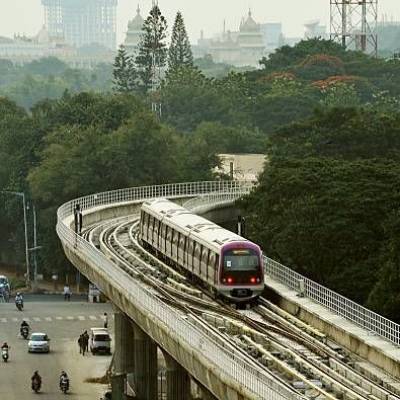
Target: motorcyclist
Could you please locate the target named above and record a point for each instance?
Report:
(64, 378)
(24, 324)
(36, 378)
(19, 299)
(4, 351)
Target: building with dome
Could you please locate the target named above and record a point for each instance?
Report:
(134, 33)
(245, 47)
(251, 40)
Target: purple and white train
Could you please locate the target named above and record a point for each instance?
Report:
(226, 264)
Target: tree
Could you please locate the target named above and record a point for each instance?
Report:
(152, 54)
(180, 52)
(124, 72)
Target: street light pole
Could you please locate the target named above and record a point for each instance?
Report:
(34, 245)
(27, 280)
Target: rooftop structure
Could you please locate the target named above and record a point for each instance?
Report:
(313, 29)
(82, 22)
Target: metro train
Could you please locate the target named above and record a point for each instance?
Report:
(226, 264)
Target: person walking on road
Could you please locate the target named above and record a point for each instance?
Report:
(85, 337)
(80, 343)
(105, 318)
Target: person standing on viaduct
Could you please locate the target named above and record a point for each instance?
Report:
(78, 219)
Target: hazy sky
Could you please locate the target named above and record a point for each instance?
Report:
(26, 16)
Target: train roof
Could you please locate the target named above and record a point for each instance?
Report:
(191, 224)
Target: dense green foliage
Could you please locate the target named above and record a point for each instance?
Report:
(82, 144)
(49, 78)
(327, 203)
(124, 72)
(180, 52)
(152, 48)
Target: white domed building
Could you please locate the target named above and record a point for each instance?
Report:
(245, 47)
(134, 33)
(251, 40)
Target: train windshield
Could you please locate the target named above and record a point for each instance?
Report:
(241, 260)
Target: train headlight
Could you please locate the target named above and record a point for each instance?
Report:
(229, 280)
(253, 280)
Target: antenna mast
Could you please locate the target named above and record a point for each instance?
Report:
(354, 24)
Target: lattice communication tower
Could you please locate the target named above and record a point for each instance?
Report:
(156, 77)
(354, 24)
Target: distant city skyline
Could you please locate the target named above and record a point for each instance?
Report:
(207, 15)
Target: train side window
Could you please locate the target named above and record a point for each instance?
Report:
(212, 259)
(197, 251)
(190, 247)
(169, 233)
(175, 237)
(204, 256)
(182, 241)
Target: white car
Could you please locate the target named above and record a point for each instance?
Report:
(99, 341)
(39, 343)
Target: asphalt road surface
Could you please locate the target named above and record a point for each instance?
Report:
(63, 322)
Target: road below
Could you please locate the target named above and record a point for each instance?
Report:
(63, 322)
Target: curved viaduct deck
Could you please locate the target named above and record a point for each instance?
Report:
(225, 373)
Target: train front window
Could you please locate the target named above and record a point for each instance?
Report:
(241, 260)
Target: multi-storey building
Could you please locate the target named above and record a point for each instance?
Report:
(82, 22)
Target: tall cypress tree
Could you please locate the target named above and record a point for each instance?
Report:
(180, 52)
(124, 73)
(152, 56)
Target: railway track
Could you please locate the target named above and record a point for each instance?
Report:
(294, 353)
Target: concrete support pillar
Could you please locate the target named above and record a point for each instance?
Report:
(123, 354)
(146, 365)
(178, 380)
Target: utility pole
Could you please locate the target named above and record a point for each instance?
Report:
(354, 24)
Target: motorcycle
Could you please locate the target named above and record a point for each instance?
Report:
(4, 354)
(20, 304)
(64, 385)
(24, 332)
(36, 385)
